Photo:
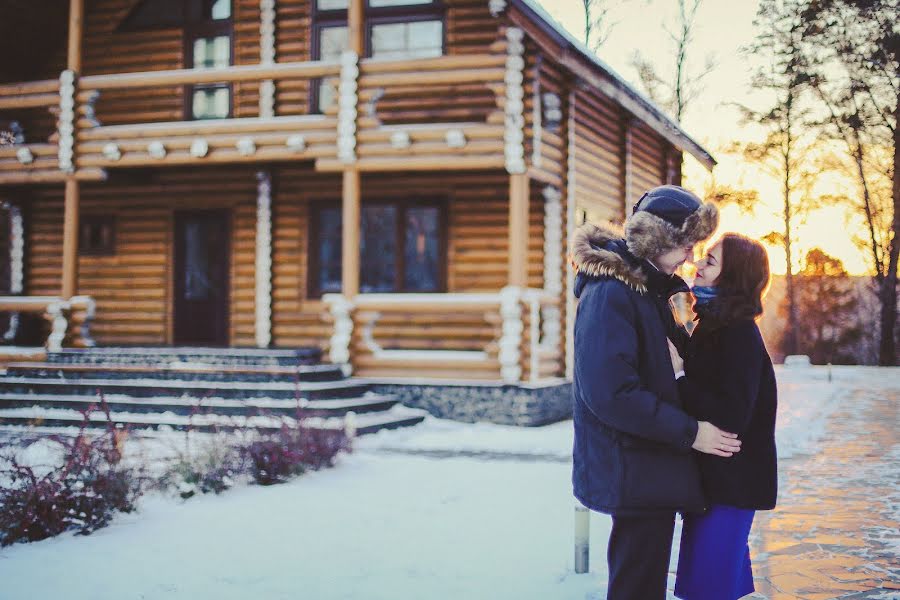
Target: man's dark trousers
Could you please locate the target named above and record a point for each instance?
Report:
(638, 555)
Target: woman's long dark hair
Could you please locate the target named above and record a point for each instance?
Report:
(743, 281)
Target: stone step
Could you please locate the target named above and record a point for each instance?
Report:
(128, 355)
(366, 403)
(176, 371)
(146, 388)
(47, 419)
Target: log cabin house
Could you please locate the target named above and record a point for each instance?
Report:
(391, 181)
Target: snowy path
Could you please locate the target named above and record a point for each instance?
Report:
(447, 510)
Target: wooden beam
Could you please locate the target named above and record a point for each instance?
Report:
(518, 229)
(308, 69)
(351, 233)
(355, 30)
(70, 240)
(76, 25)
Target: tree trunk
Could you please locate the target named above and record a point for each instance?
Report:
(887, 350)
(789, 342)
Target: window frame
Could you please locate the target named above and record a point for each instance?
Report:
(435, 10)
(101, 220)
(207, 28)
(402, 203)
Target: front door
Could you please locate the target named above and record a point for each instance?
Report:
(201, 277)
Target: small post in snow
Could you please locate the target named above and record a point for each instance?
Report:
(582, 538)
(829, 373)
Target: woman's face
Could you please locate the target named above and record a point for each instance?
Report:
(709, 268)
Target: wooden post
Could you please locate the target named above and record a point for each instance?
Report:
(76, 24)
(70, 240)
(355, 32)
(70, 222)
(351, 237)
(351, 183)
(518, 229)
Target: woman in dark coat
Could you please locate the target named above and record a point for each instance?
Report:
(729, 381)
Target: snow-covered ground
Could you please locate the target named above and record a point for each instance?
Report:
(443, 510)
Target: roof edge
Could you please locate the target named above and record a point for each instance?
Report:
(613, 85)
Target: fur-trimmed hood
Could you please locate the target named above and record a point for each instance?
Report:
(597, 251)
(649, 235)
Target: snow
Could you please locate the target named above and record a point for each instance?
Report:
(441, 510)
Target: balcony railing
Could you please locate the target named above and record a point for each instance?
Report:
(511, 336)
(390, 114)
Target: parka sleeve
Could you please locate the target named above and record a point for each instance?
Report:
(725, 393)
(606, 368)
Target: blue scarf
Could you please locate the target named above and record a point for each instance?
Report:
(704, 294)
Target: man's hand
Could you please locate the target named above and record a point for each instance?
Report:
(677, 363)
(712, 440)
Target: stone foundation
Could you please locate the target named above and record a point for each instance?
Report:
(523, 405)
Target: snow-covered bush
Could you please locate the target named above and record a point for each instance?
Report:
(80, 493)
(291, 450)
(210, 467)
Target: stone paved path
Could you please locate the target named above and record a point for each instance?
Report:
(835, 531)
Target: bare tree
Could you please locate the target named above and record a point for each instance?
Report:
(853, 61)
(786, 151)
(597, 23)
(676, 89)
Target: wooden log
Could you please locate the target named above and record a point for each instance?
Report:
(371, 66)
(308, 69)
(415, 163)
(28, 101)
(44, 86)
(298, 124)
(432, 77)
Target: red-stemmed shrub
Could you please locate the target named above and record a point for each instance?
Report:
(82, 494)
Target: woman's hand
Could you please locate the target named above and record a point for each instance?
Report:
(677, 362)
(712, 440)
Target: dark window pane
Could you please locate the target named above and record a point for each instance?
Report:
(422, 250)
(197, 263)
(378, 248)
(329, 232)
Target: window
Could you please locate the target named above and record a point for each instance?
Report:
(211, 101)
(395, 29)
(415, 39)
(96, 236)
(208, 40)
(402, 248)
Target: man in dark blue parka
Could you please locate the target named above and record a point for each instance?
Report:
(632, 452)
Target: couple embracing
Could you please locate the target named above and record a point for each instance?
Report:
(667, 422)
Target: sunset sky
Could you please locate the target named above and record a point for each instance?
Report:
(722, 29)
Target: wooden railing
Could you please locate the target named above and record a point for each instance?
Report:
(68, 321)
(505, 336)
(32, 159)
(390, 115)
(247, 139)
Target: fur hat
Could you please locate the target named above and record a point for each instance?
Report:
(668, 217)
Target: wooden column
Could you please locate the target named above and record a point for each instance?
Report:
(355, 26)
(70, 240)
(70, 223)
(518, 229)
(351, 179)
(351, 237)
(76, 25)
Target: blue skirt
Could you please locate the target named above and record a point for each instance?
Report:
(714, 561)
